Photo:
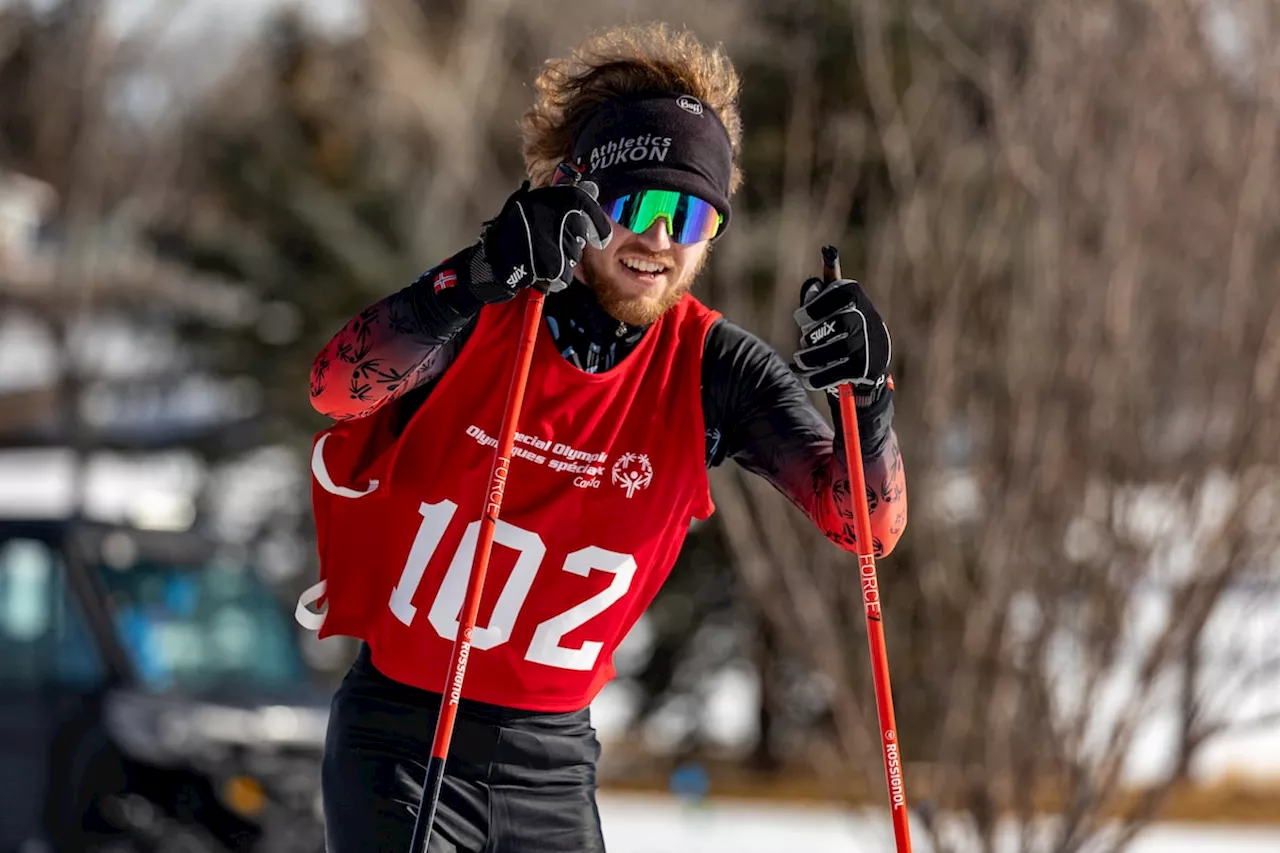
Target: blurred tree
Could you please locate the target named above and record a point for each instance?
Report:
(1066, 226)
(81, 276)
(1063, 211)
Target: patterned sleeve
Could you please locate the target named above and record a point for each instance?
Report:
(758, 414)
(399, 343)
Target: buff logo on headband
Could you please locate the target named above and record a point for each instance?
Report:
(659, 141)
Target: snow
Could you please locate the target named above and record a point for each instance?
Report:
(638, 824)
(1242, 686)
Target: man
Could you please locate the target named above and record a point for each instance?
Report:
(635, 390)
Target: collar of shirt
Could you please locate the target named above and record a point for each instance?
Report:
(584, 333)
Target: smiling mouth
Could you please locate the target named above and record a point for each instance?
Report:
(644, 269)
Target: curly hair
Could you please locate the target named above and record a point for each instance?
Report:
(635, 59)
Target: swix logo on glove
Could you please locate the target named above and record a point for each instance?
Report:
(822, 331)
(517, 276)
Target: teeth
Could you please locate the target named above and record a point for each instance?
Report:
(642, 266)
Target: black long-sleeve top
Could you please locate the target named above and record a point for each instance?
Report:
(755, 410)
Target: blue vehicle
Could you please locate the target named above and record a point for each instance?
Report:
(152, 698)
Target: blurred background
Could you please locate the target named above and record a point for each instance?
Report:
(1066, 211)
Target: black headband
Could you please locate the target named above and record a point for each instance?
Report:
(657, 141)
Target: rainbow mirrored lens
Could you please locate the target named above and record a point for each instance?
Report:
(689, 218)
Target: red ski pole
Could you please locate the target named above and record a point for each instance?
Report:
(871, 596)
(471, 603)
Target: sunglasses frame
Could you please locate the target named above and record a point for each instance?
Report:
(671, 229)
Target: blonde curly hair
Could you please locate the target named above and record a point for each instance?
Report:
(627, 60)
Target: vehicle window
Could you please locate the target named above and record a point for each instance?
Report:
(198, 628)
(44, 638)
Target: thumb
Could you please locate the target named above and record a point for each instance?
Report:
(811, 288)
(600, 228)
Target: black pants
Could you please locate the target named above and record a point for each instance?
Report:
(515, 781)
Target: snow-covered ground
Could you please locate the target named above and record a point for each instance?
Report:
(634, 824)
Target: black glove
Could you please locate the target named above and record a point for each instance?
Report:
(538, 238)
(842, 339)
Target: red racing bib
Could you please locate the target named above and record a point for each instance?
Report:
(607, 472)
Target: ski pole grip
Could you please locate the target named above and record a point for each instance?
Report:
(830, 264)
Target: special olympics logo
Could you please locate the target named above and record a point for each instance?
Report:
(633, 472)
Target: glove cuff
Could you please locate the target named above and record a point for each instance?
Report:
(865, 395)
(482, 278)
(875, 423)
(442, 298)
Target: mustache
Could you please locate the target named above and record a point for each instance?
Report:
(668, 261)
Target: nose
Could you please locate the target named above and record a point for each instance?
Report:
(656, 238)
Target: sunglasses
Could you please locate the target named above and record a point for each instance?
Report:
(689, 218)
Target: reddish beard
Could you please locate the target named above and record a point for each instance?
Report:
(638, 310)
